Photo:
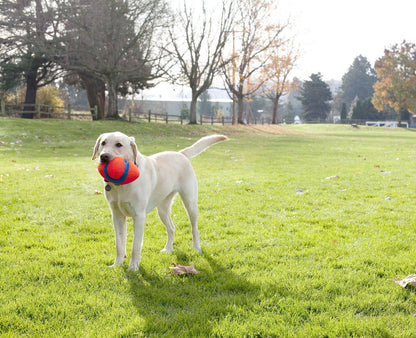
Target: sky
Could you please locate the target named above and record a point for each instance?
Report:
(331, 33)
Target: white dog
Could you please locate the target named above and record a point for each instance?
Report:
(162, 176)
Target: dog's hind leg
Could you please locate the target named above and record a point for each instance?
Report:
(190, 202)
(164, 211)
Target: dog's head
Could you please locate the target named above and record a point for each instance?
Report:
(110, 145)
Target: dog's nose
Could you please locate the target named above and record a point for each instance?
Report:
(105, 157)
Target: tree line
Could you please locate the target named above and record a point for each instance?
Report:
(115, 48)
(386, 91)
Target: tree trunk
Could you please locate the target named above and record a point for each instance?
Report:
(31, 89)
(92, 86)
(112, 112)
(275, 106)
(192, 113)
(240, 104)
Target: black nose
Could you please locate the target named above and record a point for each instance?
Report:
(105, 158)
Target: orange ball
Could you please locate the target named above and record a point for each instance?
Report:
(119, 171)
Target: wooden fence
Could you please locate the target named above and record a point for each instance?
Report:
(171, 118)
(45, 111)
(76, 112)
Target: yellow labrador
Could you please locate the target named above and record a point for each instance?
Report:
(162, 176)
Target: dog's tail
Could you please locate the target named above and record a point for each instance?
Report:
(202, 144)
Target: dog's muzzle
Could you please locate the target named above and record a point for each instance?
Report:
(105, 157)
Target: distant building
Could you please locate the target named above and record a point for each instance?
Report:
(174, 100)
(172, 106)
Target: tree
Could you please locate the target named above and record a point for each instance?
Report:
(276, 73)
(24, 26)
(364, 110)
(113, 41)
(198, 42)
(343, 111)
(358, 81)
(205, 105)
(315, 96)
(255, 32)
(396, 85)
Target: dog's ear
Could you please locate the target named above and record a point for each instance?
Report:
(134, 149)
(96, 147)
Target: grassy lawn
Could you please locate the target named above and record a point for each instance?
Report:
(302, 228)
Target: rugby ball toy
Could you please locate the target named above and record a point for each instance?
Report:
(119, 171)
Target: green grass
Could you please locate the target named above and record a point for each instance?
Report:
(276, 262)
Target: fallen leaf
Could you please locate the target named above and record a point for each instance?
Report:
(299, 191)
(97, 192)
(403, 282)
(376, 166)
(179, 269)
(387, 198)
(385, 172)
(331, 177)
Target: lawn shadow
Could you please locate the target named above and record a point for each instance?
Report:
(192, 305)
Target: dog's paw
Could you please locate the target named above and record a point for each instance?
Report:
(133, 267)
(115, 265)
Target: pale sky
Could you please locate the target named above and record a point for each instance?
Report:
(331, 33)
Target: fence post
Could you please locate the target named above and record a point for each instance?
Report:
(200, 119)
(181, 118)
(222, 118)
(167, 118)
(37, 107)
(3, 108)
(150, 114)
(130, 115)
(212, 120)
(69, 111)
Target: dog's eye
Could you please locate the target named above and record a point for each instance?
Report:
(119, 145)
(103, 143)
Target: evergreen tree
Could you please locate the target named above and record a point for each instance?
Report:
(344, 111)
(364, 110)
(315, 96)
(358, 81)
(205, 106)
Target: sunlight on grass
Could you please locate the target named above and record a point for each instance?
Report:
(301, 227)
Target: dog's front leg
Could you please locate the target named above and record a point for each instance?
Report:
(120, 229)
(138, 233)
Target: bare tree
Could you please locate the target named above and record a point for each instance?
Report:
(198, 41)
(23, 25)
(275, 74)
(254, 34)
(113, 41)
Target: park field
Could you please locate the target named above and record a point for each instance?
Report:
(302, 229)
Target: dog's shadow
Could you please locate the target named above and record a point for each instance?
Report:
(192, 305)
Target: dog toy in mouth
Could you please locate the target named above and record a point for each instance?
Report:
(119, 171)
